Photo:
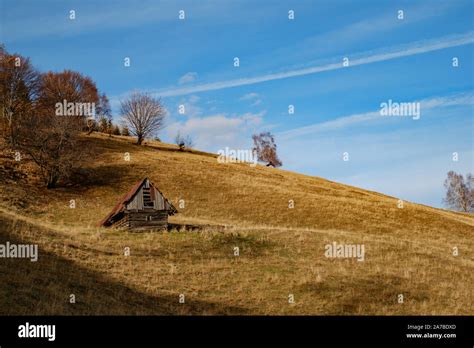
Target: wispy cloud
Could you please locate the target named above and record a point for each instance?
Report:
(249, 96)
(19, 17)
(381, 55)
(345, 121)
(353, 34)
(254, 97)
(187, 78)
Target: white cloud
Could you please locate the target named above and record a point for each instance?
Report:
(254, 97)
(187, 78)
(215, 132)
(384, 54)
(249, 96)
(191, 107)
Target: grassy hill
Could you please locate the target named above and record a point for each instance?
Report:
(407, 250)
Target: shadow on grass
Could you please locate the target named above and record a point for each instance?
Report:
(44, 288)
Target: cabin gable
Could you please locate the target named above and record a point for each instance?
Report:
(144, 207)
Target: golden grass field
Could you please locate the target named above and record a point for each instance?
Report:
(408, 250)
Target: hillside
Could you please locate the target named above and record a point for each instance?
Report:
(408, 250)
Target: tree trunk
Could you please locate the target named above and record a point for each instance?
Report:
(52, 181)
(140, 140)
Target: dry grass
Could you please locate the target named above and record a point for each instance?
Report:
(408, 251)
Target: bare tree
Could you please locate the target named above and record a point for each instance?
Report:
(19, 85)
(143, 115)
(459, 192)
(265, 148)
(50, 137)
(183, 141)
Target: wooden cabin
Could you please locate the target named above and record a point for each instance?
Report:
(143, 208)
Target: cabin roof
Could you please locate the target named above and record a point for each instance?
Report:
(122, 203)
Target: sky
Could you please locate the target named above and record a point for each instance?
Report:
(336, 62)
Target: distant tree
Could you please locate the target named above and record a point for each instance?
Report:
(183, 141)
(143, 115)
(459, 192)
(104, 114)
(265, 149)
(19, 87)
(91, 126)
(51, 138)
(103, 124)
(125, 132)
(110, 127)
(116, 130)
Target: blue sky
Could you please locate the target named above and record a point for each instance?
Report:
(282, 62)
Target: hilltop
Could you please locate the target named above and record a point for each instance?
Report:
(408, 250)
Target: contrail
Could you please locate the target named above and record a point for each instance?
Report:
(387, 54)
(465, 98)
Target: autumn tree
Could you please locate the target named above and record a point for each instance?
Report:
(19, 85)
(143, 115)
(50, 134)
(459, 192)
(265, 149)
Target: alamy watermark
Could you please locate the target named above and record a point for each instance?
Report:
(391, 108)
(24, 251)
(336, 250)
(228, 155)
(75, 109)
(37, 331)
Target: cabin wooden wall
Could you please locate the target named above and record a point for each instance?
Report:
(137, 220)
(137, 202)
(159, 202)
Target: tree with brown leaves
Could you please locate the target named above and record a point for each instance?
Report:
(50, 134)
(19, 86)
(265, 149)
(143, 115)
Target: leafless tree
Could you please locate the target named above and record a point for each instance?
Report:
(183, 141)
(459, 192)
(265, 149)
(143, 115)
